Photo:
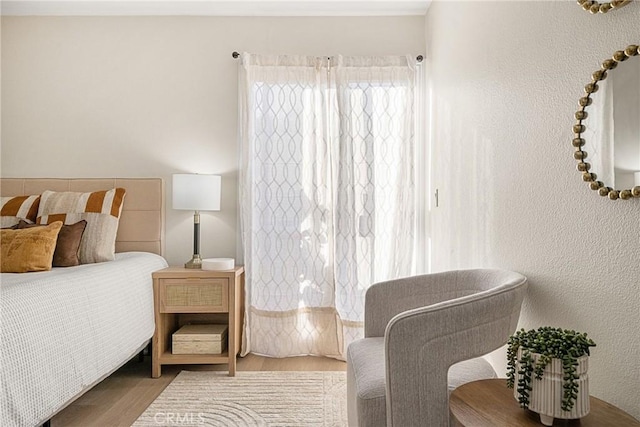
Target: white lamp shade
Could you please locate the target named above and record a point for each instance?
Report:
(196, 192)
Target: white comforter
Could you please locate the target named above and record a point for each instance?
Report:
(66, 329)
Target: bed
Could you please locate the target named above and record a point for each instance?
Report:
(67, 329)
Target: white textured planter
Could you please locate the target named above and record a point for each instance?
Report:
(546, 395)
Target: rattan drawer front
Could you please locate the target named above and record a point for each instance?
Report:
(194, 295)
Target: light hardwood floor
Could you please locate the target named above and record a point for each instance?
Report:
(122, 397)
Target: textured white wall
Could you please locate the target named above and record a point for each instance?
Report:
(152, 96)
(506, 78)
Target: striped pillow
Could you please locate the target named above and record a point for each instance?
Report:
(101, 210)
(13, 209)
(105, 202)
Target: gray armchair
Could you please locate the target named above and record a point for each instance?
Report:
(416, 328)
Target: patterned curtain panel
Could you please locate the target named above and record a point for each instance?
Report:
(326, 195)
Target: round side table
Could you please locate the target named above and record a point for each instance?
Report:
(489, 403)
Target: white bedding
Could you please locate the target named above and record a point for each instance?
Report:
(66, 329)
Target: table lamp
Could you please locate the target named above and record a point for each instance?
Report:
(196, 193)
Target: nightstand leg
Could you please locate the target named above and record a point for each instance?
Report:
(232, 366)
(156, 367)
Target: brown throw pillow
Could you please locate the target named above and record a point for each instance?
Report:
(29, 249)
(67, 245)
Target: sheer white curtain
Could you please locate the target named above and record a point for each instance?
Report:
(326, 194)
(374, 189)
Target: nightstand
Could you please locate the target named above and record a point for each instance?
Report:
(184, 296)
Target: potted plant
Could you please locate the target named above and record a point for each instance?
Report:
(547, 368)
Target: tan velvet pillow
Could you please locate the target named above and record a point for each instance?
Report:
(28, 249)
(67, 245)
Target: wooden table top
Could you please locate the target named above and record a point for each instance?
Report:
(489, 403)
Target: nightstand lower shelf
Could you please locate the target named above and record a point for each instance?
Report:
(168, 358)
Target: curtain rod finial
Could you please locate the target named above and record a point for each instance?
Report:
(235, 55)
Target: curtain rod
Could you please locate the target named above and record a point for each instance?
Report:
(235, 55)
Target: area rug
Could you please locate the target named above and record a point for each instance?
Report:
(251, 399)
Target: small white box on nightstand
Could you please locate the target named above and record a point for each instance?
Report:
(218, 264)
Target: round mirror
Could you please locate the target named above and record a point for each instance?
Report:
(607, 138)
(597, 7)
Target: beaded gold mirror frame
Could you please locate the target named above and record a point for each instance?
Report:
(579, 128)
(597, 7)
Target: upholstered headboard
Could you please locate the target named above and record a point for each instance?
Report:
(141, 225)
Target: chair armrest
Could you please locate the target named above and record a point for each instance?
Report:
(384, 300)
(421, 344)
